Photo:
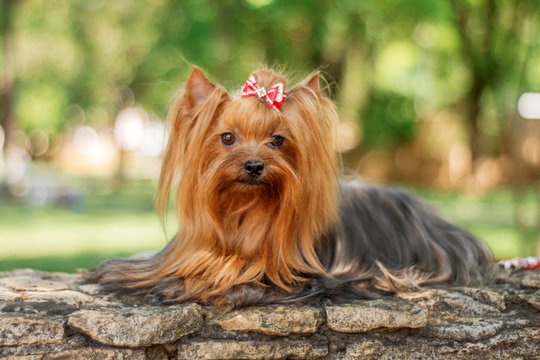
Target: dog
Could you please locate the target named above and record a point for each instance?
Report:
(265, 218)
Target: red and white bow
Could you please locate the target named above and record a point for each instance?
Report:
(274, 97)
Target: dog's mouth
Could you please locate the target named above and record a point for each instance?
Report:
(252, 181)
(243, 184)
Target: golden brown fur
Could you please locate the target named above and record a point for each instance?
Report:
(237, 237)
(232, 233)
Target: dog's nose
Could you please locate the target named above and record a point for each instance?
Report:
(254, 167)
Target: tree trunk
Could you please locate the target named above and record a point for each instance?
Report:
(7, 82)
(473, 114)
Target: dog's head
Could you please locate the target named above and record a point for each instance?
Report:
(253, 181)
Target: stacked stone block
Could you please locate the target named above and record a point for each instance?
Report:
(59, 316)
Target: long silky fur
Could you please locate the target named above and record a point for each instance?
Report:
(301, 234)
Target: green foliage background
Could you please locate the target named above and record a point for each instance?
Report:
(78, 61)
(391, 64)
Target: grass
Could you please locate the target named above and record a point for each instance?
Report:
(110, 223)
(121, 221)
(491, 217)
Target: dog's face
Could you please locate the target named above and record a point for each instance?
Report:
(250, 149)
(250, 172)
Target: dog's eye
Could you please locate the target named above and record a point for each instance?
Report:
(228, 138)
(277, 141)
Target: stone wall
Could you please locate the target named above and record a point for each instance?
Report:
(58, 316)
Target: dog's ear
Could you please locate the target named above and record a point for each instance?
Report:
(198, 87)
(313, 82)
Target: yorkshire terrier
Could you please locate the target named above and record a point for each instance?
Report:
(264, 217)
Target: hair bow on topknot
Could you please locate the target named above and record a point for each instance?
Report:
(274, 97)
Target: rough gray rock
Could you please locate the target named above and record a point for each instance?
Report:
(268, 349)
(364, 316)
(533, 299)
(30, 283)
(96, 353)
(138, 326)
(364, 348)
(273, 320)
(471, 329)
(59, 316)
(488, 297)
(19, 329)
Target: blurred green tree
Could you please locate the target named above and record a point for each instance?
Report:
(82, 61)
(7, 116)
(496, 39)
